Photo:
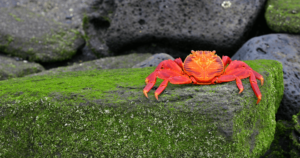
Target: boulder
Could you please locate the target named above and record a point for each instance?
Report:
(104, 112)
(116, 62)
(282, 145)
(284, 48)
(154, 60)
(178, 25)
(283, 16)
(11, 68)
(35, 38)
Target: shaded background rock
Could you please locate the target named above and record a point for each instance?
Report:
(154, 60)
(286, 49)
(34, 38)
(116, 62)
(175, 25)
(282, 16)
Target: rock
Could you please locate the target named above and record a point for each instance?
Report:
(282, 16)
(284, 48)
(295, 136)
(33, 37)
(117, 62)
(179, 25)
(282, 144)
(153, 60)
(107, 112)
(10, 68)
(66, 12)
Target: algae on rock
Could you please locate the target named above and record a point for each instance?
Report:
(104, 112)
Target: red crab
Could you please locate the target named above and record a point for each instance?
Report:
(203, 67)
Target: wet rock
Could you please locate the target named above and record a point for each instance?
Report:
(35, 38)
(284, 48)
(282, 16)
(214, 25)
(153, 60)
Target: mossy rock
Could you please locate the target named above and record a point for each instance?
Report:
(283, 15)
(33, 37)
(104, 113)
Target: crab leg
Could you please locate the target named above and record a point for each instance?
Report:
(229, 78)
(226, 60)
(242, 73)
(254, 86)
(151, 79)
(149, 86)
(168, 67)
(174, 80)
(235, 65)
(259, 77)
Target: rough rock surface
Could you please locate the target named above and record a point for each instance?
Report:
(179, 25)
(10, 68)
(116, 62)
(35, 38)
(295, 135)
(66, 12)
(109, 114)
(154, 60)
(283, 16)
(286, 49)
(282, 144)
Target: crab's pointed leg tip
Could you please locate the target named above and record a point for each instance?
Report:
(145, 92)
(241, 90)
(258, 100)
(156, 96)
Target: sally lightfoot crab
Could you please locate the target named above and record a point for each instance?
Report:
(204, 68)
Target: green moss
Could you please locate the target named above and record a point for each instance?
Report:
(106, 18)
(9, 39)
(67, 114)
(85, 21)
(282, 16)
(30, 50)
(15, 17)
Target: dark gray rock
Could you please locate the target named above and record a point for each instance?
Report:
(153, 60)
(286, 49)
(35, 38)
(180, 25)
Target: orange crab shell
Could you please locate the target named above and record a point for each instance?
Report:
(203, 65)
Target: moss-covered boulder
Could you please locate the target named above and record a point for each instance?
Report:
(35, 38)
(105, 113)
(283, 15)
